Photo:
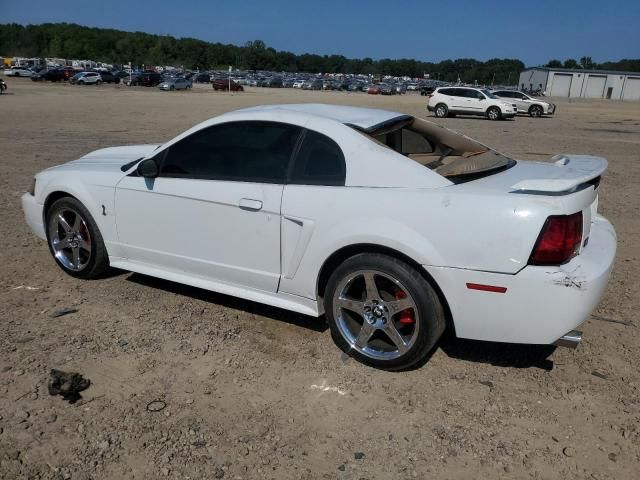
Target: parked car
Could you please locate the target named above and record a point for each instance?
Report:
(175, 83)
(86, 78)
(109, 77)
(386, 89)
(53, 75)
(68, 72)
(146, 79)
(400, 88)
(374, 90)
(225, 84)
(315, 84)
(18, 72)
(202, 78)
(273, 82)
(298, 84)
(526, 104)
(427, 90)
(281, 200)
(446, 101)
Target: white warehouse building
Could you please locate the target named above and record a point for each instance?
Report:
(582, 83)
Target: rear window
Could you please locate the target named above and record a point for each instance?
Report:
(448, 153)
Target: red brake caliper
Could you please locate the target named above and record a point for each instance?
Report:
(406, 315)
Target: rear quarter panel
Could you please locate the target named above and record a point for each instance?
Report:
(449, 226)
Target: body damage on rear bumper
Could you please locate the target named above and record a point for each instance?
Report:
(540, 304)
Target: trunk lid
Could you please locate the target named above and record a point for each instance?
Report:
(565, 186)
(565, 175)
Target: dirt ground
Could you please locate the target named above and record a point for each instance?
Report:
(256, 392)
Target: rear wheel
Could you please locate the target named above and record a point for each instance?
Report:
(441, 110)
(494, 113)
(535, 111)
(382, 311)
(74, 239)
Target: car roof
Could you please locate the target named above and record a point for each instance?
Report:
(363, 118)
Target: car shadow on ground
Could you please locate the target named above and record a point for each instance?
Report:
(248, 306)
(511, 355)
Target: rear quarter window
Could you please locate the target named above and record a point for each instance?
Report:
(319, 161)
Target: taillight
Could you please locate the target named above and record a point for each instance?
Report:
(559, 240)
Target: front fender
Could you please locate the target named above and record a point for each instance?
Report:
(97, 198)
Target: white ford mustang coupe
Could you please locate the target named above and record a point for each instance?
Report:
(390, 225)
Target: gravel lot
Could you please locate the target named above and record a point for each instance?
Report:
(256, 392)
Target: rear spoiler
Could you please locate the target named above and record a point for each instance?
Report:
(573, 172)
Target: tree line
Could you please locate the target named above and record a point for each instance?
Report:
(628, 65)
(71, 41)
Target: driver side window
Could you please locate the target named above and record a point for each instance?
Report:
(236, 151)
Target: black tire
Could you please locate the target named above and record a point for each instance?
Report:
(441, 110)
(494, 113)
(430, 312)
(535, 111)
(98, 261)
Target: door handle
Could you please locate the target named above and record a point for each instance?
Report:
(250, 204)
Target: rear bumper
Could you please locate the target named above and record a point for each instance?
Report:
(540, 304)
(33, 215)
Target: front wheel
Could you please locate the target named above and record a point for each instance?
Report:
(383, 312)
(74, 239)
(535, 111)
(441, 110)
(494, 113)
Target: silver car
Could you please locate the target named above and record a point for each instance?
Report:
(526, 104)
(175, 84)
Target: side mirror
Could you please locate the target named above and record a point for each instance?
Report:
(148, 168)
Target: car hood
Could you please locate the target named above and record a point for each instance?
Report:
(116, 156)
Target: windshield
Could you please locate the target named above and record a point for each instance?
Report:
(488, 93)
(448, 153)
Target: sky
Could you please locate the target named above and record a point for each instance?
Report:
(534, 31)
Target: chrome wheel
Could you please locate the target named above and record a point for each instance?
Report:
(70, 239)
(441, 111)
(493, 114)
(376, 314)
(536, 111)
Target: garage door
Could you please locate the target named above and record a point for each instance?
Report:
(595, 86)
(561, 85)
(631, 89)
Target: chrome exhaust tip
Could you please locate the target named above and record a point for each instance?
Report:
(570, 340)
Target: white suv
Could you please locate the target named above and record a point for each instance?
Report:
(448, 101)
(526, 104)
